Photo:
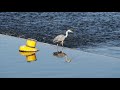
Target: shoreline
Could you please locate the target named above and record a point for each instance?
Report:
(90, 28)
(75, 49)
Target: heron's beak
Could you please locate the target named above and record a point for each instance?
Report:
(71, 31)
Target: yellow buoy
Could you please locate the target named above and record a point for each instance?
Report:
(31, 43)
(27, 49)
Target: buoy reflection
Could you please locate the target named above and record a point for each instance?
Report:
(30, 56)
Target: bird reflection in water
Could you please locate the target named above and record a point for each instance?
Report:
(61, 54)
(30, 56)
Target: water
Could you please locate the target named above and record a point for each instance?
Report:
(95, 32)
(77, 64)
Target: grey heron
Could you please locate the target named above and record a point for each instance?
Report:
(60, 38)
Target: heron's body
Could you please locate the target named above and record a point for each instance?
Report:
(60, 38)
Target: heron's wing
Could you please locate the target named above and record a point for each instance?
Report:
(59, 38)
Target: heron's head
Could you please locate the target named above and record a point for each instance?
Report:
(69, 31)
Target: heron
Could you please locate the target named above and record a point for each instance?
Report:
(60, 38)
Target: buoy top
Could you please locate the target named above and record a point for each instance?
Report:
(31, 42)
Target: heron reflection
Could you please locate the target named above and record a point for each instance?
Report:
(61, 54)
(30, 56)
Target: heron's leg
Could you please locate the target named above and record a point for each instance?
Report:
(62, 45)
(57, 47)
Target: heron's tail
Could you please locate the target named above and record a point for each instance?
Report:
(54, 41)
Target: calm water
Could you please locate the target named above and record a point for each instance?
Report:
(76, 63)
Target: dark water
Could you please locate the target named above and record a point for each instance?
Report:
(91, 29)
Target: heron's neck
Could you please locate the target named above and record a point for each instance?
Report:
(66, 34)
